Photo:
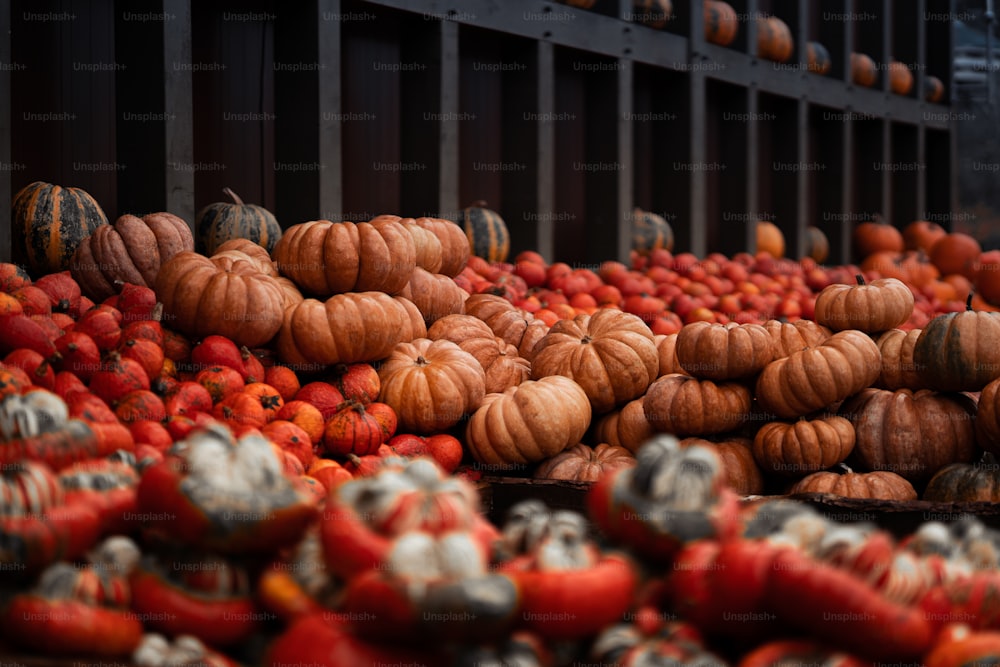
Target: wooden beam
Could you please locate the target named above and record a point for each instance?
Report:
(178, 110)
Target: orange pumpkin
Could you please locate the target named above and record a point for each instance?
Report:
(956, 252)
(581, 463)
(900, 78)
(774, 39)
(922, 234)
(770, 239)
(874, 236)
(863, 70)
(721, 23)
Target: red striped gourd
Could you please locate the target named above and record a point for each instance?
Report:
(48, 224)
(486, 231)
(223, 221)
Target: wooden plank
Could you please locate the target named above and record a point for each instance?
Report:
(625, 81)
(697, 222)
(178, 108)
(7, 164)
(546, 164)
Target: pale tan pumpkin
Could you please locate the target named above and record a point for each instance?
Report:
(873, 307)
(326, 258)
(455, 248)
(882, 485)
(582, 463)
(432, 385)
(794, 336)
(723, 351)
(346, 328)
(503, 366)
(225, 296)
(428, 248)
(685, 405)
(528, 423)
(243, 249)
(743, 474)
(899, 371)
(804, 446)
(626, 427)
(611, 354)
(435, 295)
(817, 377)
(666, 348)
(516, 326)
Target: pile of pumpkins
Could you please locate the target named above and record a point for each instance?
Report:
(784, 403)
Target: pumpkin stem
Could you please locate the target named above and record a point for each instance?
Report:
(232, 195)
(479, 203)
(420, 361)
(860, 278)
(847, 468)
(968, 300)
(157, 313)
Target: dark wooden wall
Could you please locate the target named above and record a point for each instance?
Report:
(563, 120)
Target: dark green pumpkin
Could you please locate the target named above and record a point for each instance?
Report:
(224, 221)
(486, 231)
(818, 58)
(48, 223)
(959, 351)
(966, 482)
(650, 232)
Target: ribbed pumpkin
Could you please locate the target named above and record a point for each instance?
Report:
(611, 354)
(814, 378)
(486, 231)
(221, 221)
(873, 307)
(650, 232)
(723, 351)
(988, 418)
(684, 405)
(455, 249)
(882, 485)
(325, 258)
(899, 371)
(225, 296)
(48, 223)
(959, 351)
(721, 22)
(743, 474)
(804, 446)
(582, 463)
(966, 482)
(346, 328)
(516, 326)
(503, 366)
(911, 433)
(818, 59)
(434, 294)
(519, 426)
(432, 385)
(627, 427)
(666, 348)
(794, 336)
(132, 251)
